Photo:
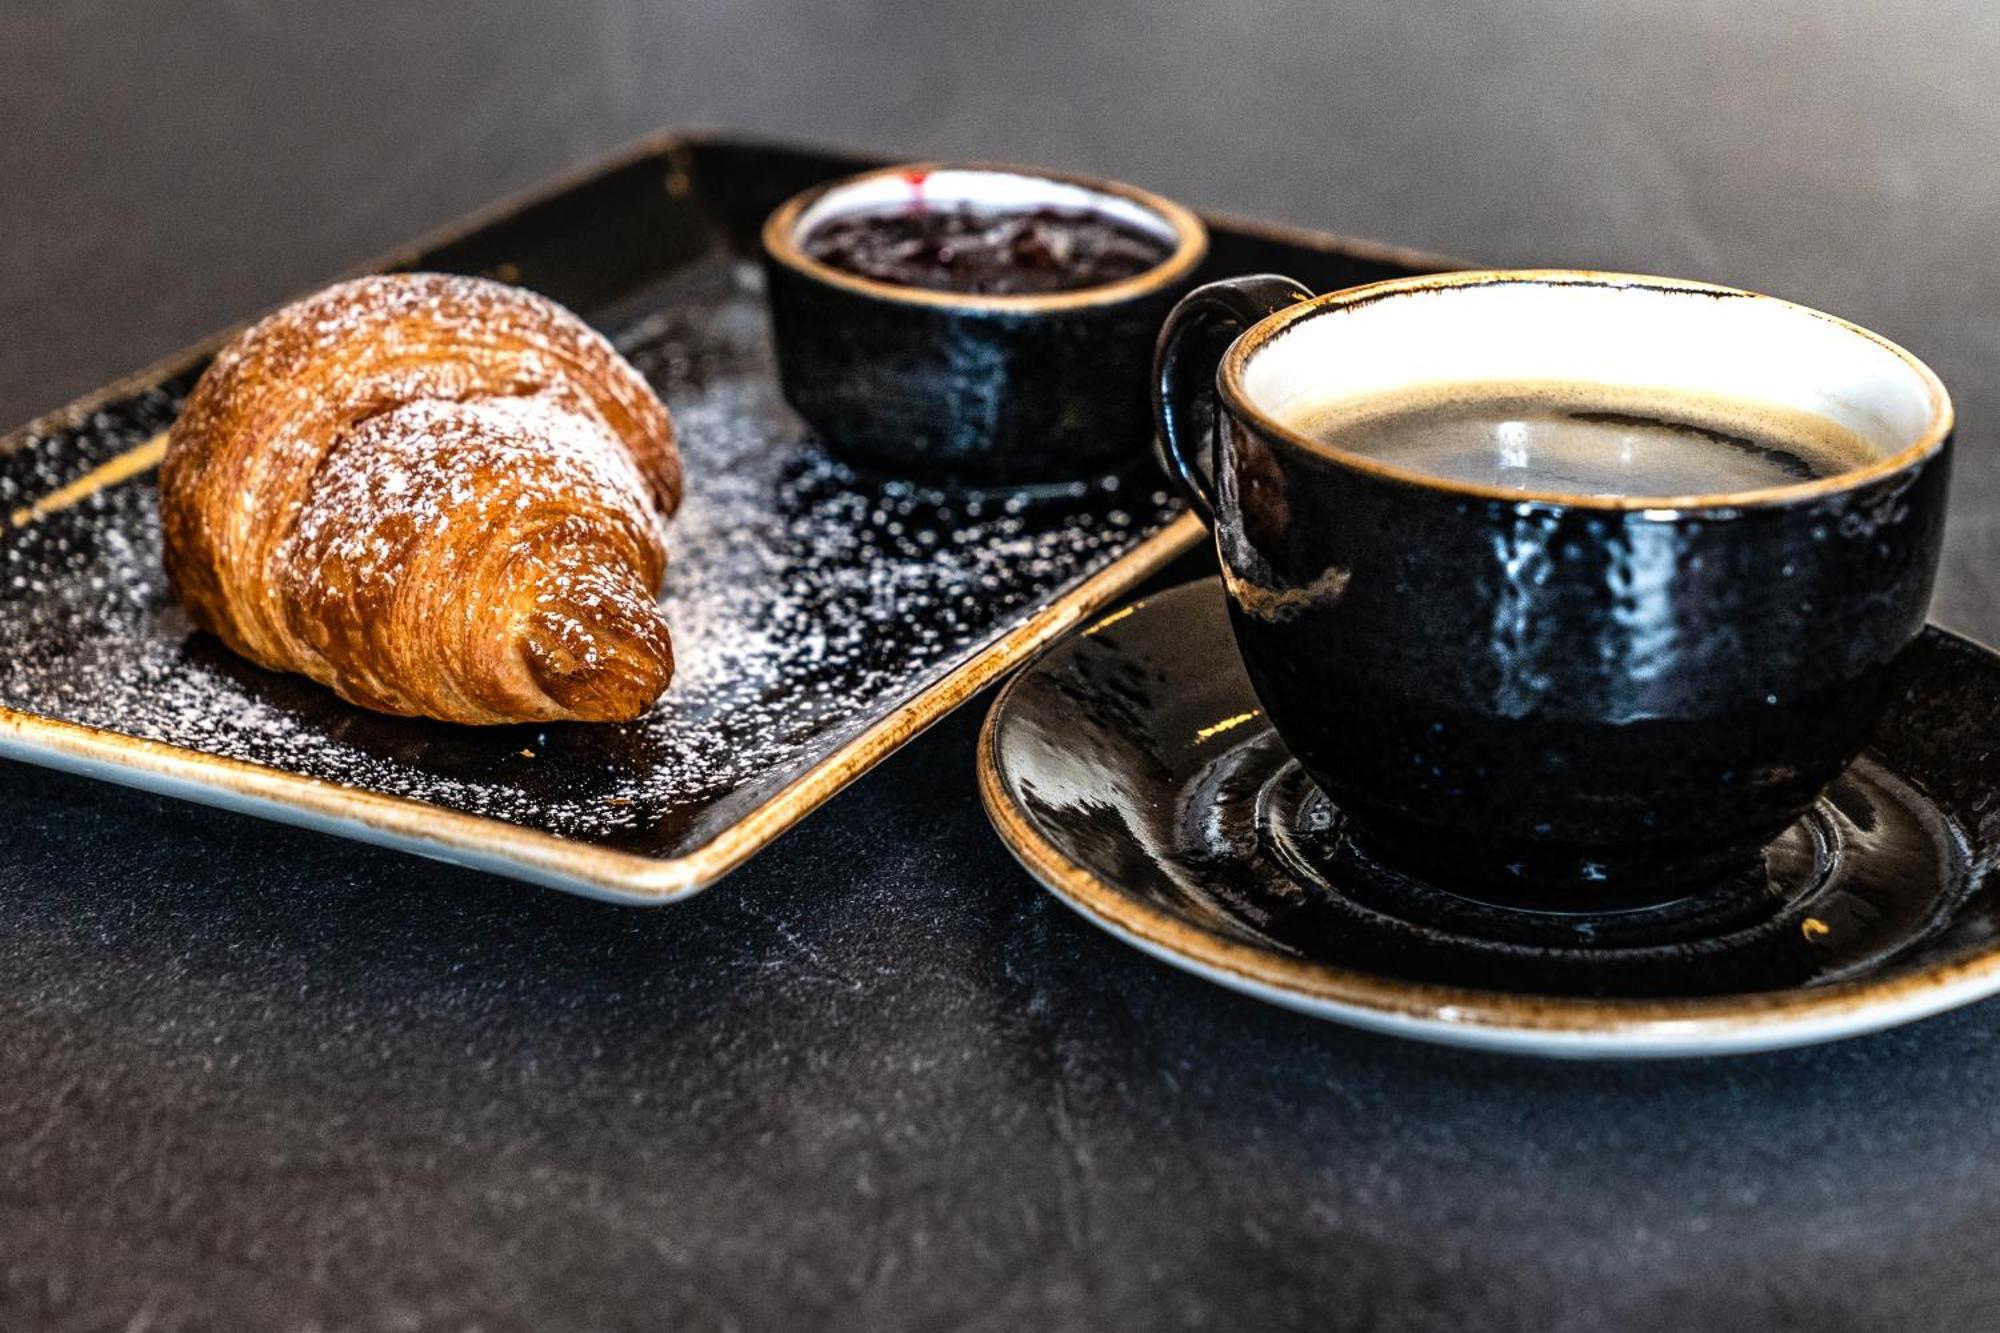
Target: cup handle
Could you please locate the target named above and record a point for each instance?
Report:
(1192, 341)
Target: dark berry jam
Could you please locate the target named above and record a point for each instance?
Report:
(986, 251)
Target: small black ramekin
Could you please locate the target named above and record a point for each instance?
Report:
(972, 386)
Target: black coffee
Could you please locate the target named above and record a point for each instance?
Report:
(1588, 439)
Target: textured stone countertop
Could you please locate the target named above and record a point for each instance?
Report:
(256, 1078)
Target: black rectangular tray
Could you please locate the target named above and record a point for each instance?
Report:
(820, 618)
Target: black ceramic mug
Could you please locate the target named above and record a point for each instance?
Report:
(1577, 701)
(999, 387)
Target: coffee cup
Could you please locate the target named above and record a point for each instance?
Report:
(1571, 590)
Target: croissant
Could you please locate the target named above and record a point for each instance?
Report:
(440, 496)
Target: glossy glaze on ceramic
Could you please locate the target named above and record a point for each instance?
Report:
(1133, 770)
(1574, 701)
(983, 387)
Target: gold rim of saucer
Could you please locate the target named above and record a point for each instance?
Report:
(1517, 1021)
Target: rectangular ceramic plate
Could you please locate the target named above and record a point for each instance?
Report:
(820, 618)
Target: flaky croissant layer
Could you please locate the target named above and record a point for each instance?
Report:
(440, 496)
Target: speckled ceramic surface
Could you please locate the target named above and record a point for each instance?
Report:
(1131, 770)
(820, 617)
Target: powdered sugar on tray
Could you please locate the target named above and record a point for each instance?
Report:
(805, 602)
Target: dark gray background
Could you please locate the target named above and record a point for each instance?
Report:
(249, 1077)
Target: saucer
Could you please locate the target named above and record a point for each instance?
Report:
(1131, 771)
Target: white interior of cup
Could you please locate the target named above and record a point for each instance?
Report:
(1753, 350)
(950, 187)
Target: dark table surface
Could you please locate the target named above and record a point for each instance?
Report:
(251, 1077)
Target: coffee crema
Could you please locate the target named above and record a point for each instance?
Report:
(1587, 439)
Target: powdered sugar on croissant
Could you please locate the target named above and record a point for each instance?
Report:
(439, 496)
